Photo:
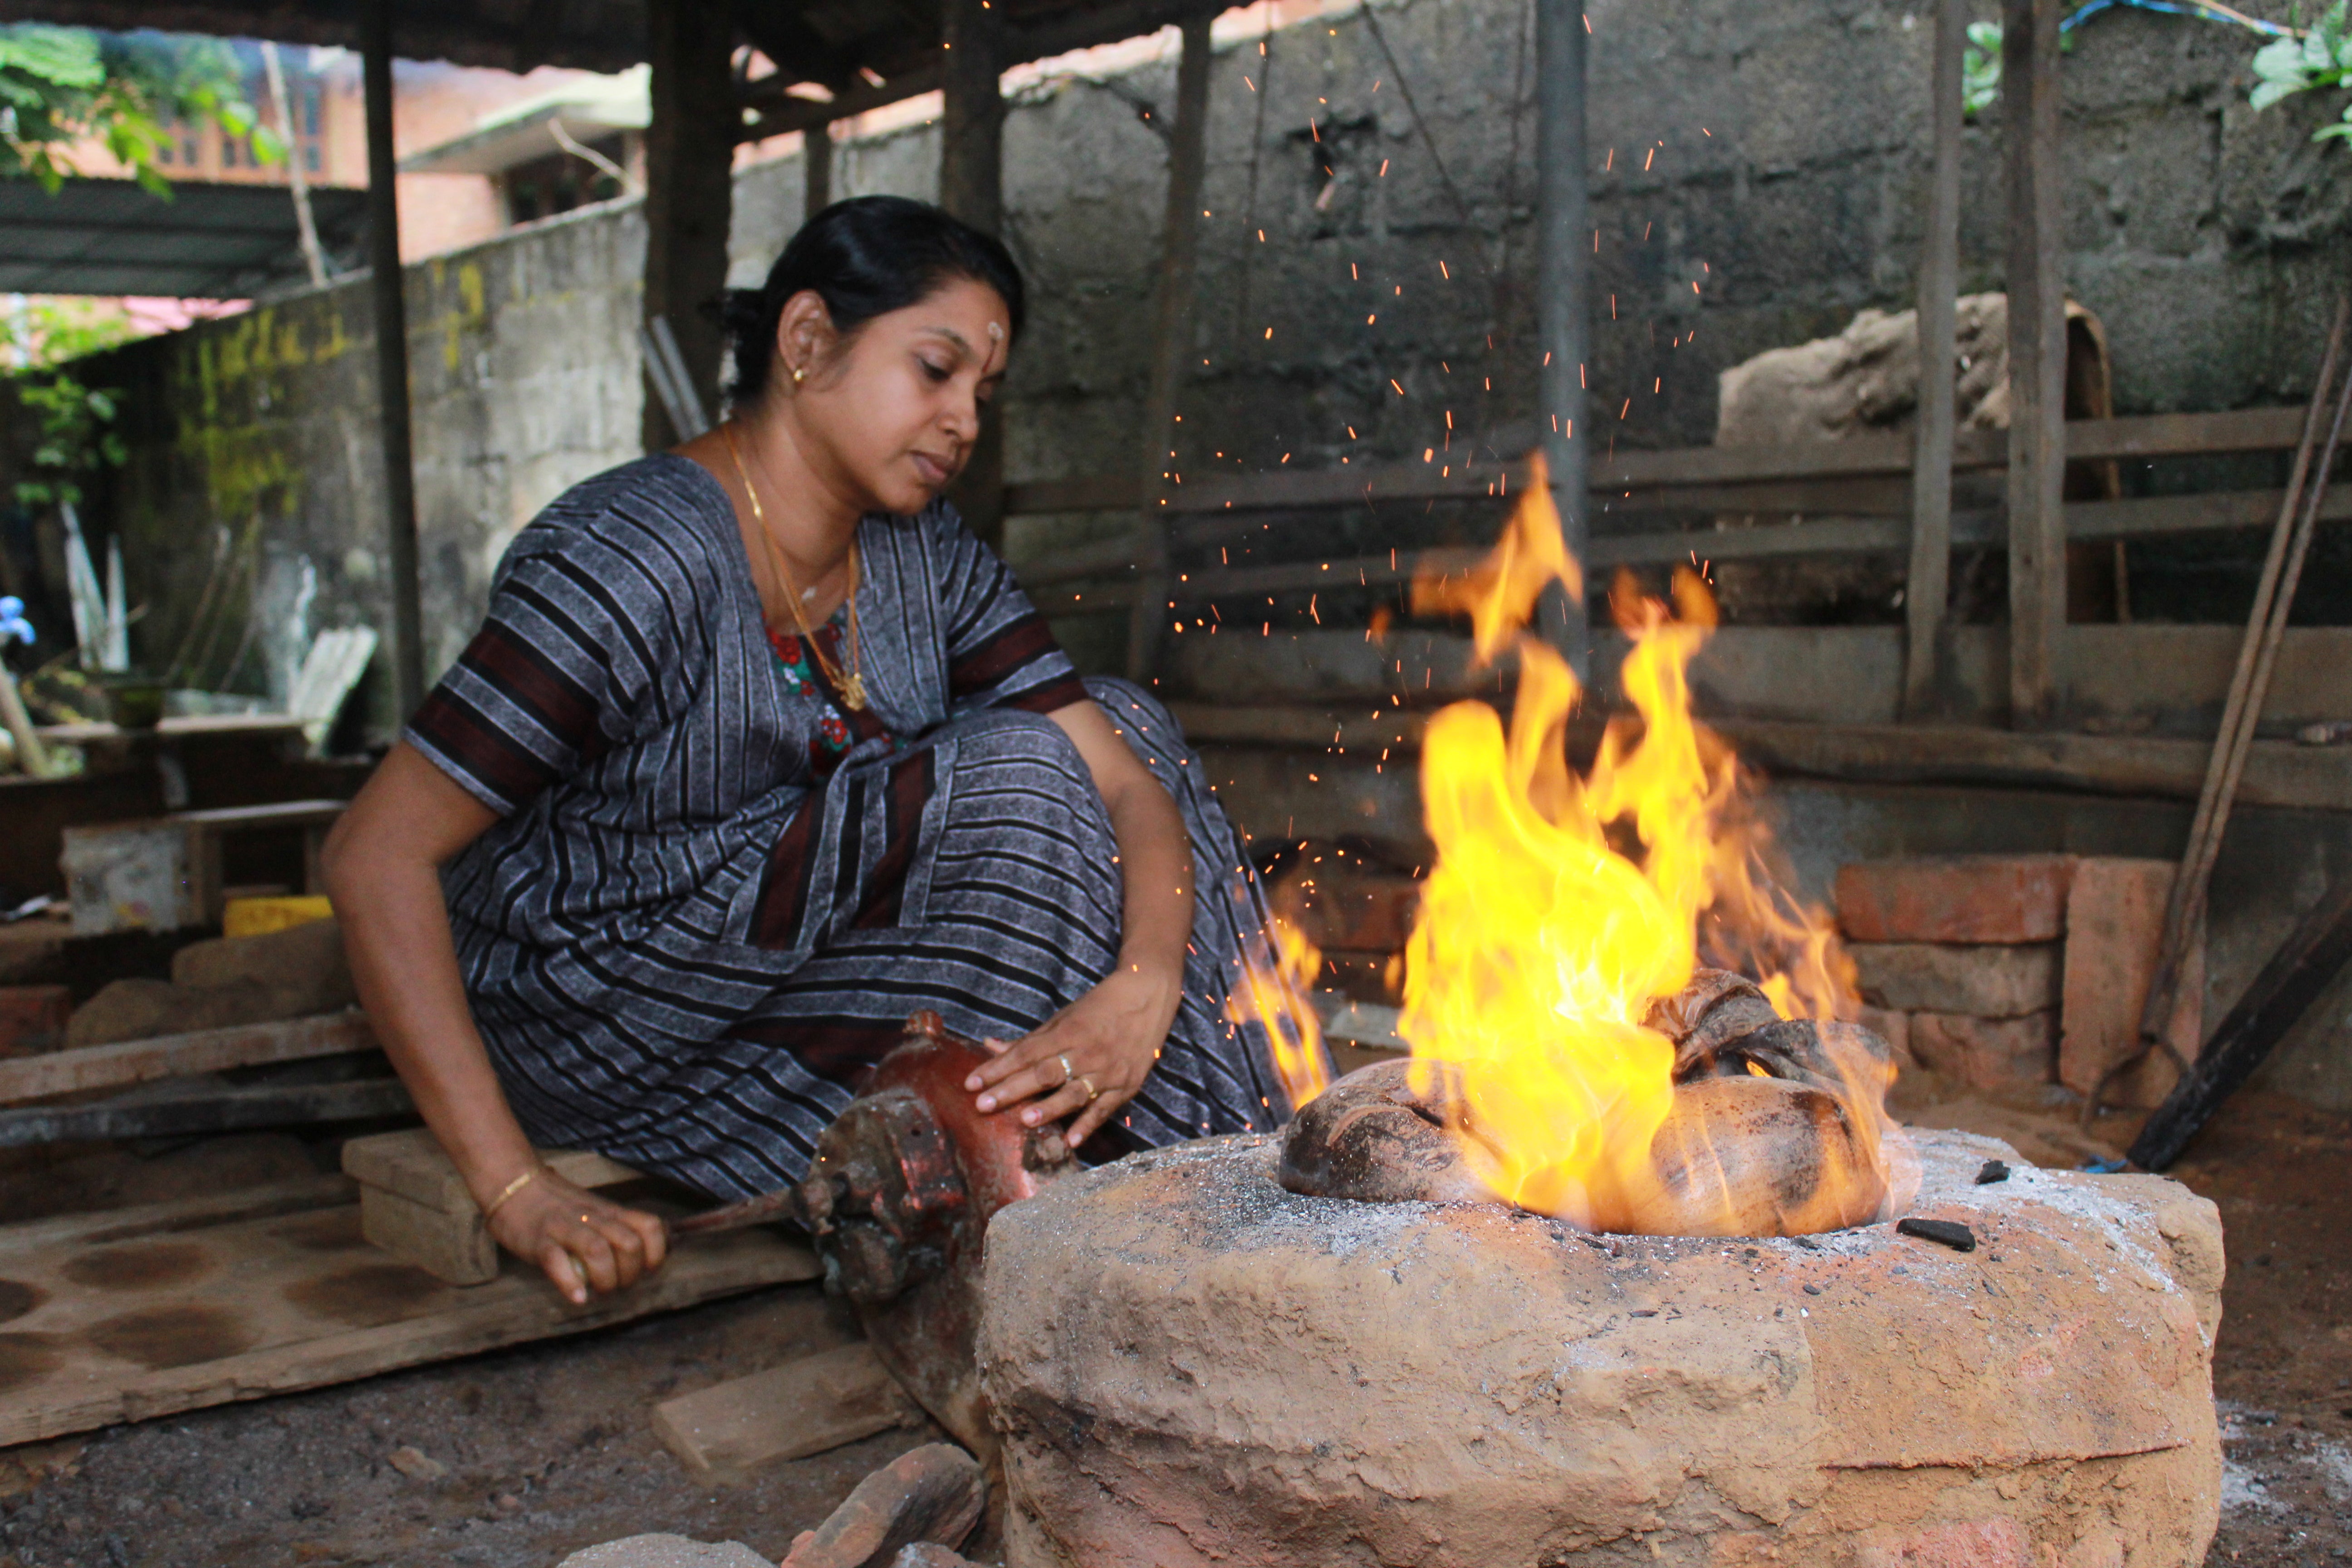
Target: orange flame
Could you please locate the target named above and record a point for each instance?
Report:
(1560, 909)
(1278, 982)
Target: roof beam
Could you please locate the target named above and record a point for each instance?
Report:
(1082, 29)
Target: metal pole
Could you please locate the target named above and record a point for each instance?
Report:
(816, 169)
(1939, 281)
(1563, 287)
(2037, 362)
(392, 364)
(297, 180)
(1172, 335)
(971, 187)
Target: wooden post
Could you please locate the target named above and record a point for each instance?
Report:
(816, 169)
(2037, 362)
(971, 187)
(1171, 341)
(689, 187)
(1929, 584)
(1563, 311)
(392, 364)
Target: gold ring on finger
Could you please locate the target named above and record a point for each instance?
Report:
(1093, 1093)
(1067, 1073)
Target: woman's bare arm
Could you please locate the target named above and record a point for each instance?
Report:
(1112, 1035)
(382, 865)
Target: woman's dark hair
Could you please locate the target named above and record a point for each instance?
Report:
(865, 258)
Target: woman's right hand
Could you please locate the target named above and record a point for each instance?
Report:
(586, 1244)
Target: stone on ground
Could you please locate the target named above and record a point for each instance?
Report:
(934, 1493)
(665, 1552)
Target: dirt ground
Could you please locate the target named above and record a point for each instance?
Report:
(548, 1448)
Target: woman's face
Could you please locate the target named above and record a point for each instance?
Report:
(897, 408)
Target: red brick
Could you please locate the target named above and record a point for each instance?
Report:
(1986, 1053)
(33, 1019)
(2114, 922)
(1957, 898)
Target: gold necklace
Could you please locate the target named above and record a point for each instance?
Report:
(850, 683)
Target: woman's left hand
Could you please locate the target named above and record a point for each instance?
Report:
(1105, 1041)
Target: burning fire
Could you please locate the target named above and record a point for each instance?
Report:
(1276, 990)
(1561, 909)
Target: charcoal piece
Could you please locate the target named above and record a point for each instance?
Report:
(1994, 1171)
(1942, 1231)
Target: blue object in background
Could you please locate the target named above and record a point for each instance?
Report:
(13, 626)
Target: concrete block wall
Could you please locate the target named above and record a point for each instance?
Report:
(1772, 156)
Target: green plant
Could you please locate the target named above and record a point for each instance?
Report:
(51, 329)
(1980, 69)
(2321, 58)
(75, 437)
(64, 86)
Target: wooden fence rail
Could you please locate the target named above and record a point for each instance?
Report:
(1861, 485)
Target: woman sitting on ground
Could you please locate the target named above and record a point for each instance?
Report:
(757, 752)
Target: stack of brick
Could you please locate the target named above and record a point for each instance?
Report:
(2015, 971)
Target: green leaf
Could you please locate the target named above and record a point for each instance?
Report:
(2329, 132)
(2281, 61)
(67, 56)
(2270, 92)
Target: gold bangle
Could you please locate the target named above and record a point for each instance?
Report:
(511, 1189)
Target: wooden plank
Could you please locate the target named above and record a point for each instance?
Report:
(203, 1315)
(1172, 338)
(1217, 723)
(415, 1207)
(281, 814)
(1098, 492)
(2184, 435)
(2148, 517)
(2037, 359)
(457, 1249)
(1083, 560)
(175, 1056)
(202, 1112)
(299, 1195)
(2278, 773)
(1837, 536)
(2153, 517)
(788, 1412)
(412, 1163)
(1882, 458)
(1928, 583)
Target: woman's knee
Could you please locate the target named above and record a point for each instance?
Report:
(1023, 752)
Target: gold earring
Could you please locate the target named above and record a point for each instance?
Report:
(799, 375)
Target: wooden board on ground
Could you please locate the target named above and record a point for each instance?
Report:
(177, 1055)
(134, 1313)
(788, 1412)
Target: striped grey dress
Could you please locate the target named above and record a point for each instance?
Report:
(715, 892)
